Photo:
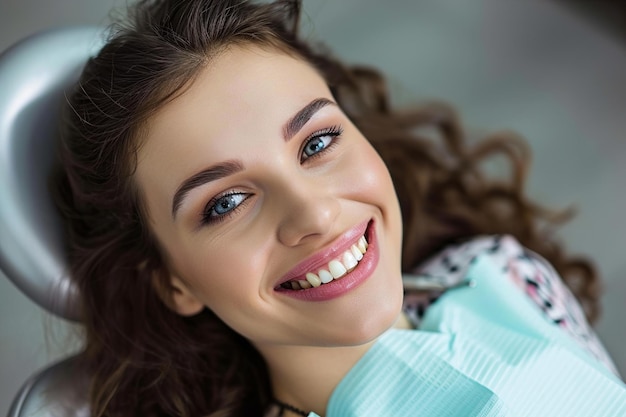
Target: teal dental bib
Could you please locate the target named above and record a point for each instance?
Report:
(485, 351)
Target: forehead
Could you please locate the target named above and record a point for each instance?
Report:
(244, 86)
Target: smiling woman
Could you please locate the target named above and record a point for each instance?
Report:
(241, 209)
(285, 203)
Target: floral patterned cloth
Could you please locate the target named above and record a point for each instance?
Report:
(529, 271)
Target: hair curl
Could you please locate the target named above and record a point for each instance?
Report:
(143, 358)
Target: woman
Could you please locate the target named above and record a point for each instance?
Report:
(239, 243)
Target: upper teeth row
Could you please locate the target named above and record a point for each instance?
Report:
(336, 268)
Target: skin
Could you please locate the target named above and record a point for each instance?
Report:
(292, 208)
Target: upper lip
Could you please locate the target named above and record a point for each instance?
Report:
(321, 259)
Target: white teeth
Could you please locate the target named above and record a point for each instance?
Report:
(325, 276)
(349, 260)
(337, 269)
(362, 244)
(313, 279)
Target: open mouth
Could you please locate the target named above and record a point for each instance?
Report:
(334, 270)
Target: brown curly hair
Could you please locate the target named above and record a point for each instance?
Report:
(143, 358)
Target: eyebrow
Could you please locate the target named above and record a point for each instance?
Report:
(212, 173)
(297, 122)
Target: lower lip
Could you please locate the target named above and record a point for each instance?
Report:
(338, 287)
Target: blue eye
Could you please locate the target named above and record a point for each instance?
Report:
(222, 206)
(319, 142)
(316, 145)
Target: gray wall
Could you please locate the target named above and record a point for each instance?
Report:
(527, 65)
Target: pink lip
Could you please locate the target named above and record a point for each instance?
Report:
(340, 286)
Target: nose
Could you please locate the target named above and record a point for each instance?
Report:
(307, 211)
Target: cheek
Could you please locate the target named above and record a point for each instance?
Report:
(221, 275)
(378, 174)
(377, 185)
(371, 178)
(212, 271)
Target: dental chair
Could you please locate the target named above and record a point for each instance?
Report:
(35, 75)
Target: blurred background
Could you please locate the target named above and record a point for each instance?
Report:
(554, 71)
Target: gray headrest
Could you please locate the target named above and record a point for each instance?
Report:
(34, 75)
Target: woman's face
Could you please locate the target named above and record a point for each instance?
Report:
(255, 181)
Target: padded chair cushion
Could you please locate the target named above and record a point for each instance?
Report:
(58, 391)
(34, 76)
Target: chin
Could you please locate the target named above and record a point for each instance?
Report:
(372, 319)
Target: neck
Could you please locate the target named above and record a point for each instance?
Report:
(305, 376)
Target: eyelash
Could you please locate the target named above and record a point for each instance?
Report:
(207, 217)
(334, 132)
(207, 214)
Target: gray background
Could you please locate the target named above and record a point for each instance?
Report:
(529, 65)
